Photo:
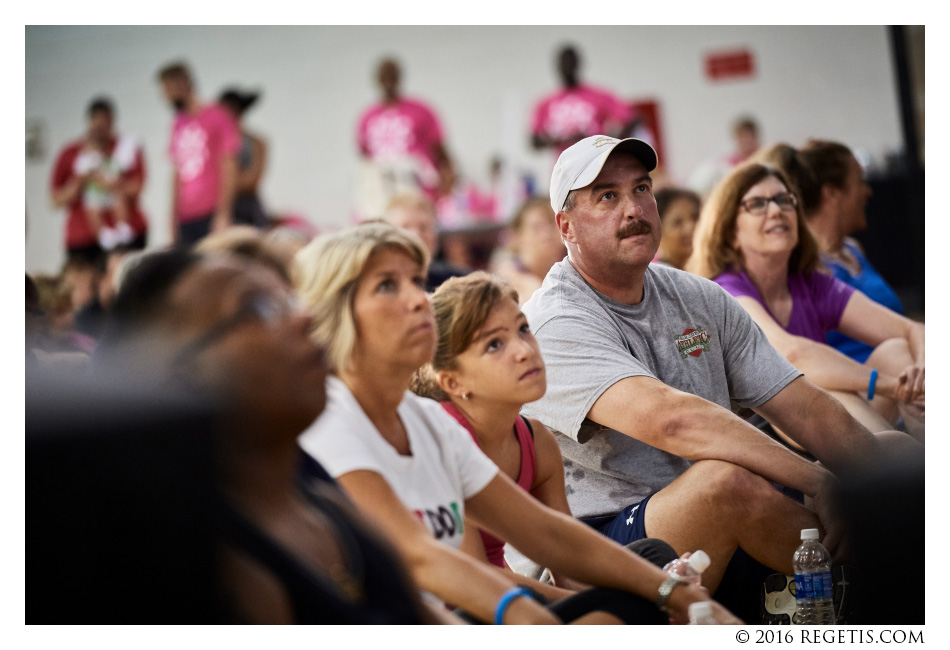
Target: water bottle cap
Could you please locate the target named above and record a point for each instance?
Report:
(699, 561)
(809, 533)
(700, 609)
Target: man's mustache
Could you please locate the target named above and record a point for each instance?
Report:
(632, 228)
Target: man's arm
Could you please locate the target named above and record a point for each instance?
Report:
(222, 215)
(173, 212)
(65, 194)
(65, 186)
(694, 428)
(820, 424)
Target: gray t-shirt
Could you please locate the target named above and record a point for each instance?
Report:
(686, 332)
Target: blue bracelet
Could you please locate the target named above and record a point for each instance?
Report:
(871, 384)
(506, 599)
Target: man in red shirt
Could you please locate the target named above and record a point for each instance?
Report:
(204, 145)
(98, 178)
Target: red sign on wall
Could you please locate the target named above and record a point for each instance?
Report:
(737, 64)
(648, 111)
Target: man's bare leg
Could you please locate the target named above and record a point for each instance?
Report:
(717, 507)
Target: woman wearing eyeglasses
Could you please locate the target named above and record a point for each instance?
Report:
(752, 240)
(830, 183)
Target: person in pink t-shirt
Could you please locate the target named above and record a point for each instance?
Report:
(204, 144)
(578, 110)
(402, 139)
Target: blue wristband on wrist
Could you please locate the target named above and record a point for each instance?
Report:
(505, 601)
(871, 384)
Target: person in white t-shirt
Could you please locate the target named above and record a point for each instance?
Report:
(413, 470)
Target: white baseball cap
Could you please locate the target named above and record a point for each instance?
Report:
(579, 164)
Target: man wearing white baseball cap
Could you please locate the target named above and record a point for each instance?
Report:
(647, 366)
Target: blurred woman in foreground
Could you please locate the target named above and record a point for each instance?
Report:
(229, 330)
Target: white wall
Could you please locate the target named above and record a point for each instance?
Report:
(833, 82)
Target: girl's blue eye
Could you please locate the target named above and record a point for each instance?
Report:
(386, 286)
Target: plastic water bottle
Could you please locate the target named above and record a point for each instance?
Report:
(700, 613)
(813, 588)
(690, 569)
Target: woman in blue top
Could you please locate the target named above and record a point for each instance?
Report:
(840, 213)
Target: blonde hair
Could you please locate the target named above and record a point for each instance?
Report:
(327, 271)
(713, 250)
(462, 306)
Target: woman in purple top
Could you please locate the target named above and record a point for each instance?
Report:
(752, 240)
(829, 181)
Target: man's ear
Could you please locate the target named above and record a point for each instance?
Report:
(564, 226)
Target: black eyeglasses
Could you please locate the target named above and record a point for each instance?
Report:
(262, 307)
(759, 205)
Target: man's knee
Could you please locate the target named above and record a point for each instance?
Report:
(734, 487)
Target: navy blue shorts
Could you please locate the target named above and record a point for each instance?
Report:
(626, 527)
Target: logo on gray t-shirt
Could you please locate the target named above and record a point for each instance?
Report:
(692, 342)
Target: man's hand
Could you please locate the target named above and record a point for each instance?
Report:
(835, 539)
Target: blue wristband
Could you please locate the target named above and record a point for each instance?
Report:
(871, 384)
(506, 599)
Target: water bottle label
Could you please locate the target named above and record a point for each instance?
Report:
(811, 586)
